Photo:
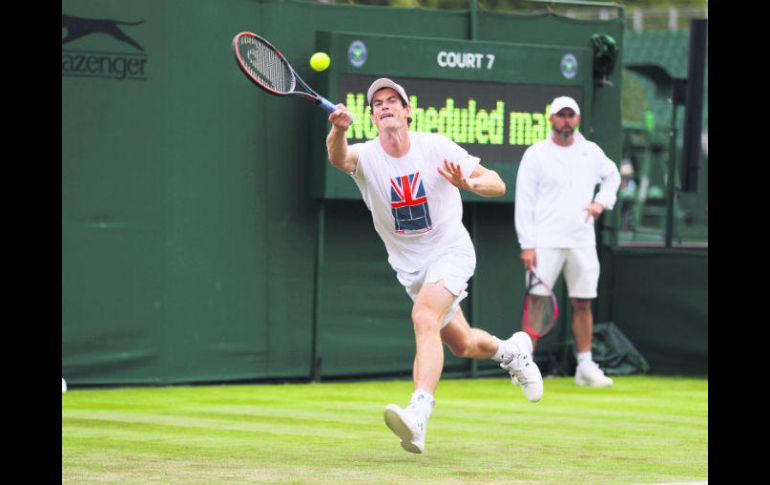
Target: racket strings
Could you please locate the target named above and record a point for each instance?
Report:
(266, 66)
(539, 312)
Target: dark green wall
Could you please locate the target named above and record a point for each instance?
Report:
(660, 302)
(164, 262)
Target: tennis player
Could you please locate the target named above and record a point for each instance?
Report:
(410, 182)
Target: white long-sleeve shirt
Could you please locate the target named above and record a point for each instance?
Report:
(554, 185)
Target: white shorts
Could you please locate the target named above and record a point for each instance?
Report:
(455, 266)
(580, 265)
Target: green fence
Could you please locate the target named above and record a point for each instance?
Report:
(660, 302)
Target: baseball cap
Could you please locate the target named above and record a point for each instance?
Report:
(384, 82)
(562, 102)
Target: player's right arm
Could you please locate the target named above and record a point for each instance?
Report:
(341, 155)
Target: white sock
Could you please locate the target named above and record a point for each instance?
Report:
(500, 348)
(506, 348)
(423, 402)
(583, 357)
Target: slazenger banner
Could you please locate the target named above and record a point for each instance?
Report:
(108, 48)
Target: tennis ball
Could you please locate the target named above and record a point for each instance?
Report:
(320, 61)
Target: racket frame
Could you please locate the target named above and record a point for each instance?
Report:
(533, 281)
(296, 79)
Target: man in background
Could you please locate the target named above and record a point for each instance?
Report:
(555, 211)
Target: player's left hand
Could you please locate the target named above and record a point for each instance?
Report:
(454, 175)
(593, 210)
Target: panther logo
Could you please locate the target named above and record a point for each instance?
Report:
(78, 27)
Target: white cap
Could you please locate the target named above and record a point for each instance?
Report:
(562, 102)
(384, 82)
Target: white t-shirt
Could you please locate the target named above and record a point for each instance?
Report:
(415, 210)
(554, 185)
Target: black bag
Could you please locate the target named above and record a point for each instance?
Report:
(614, 353)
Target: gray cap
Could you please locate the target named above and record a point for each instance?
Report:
(384, 82)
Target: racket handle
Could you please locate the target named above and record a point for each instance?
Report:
(328, 106)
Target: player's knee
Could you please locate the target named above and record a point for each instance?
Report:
(581, 304)
(424, 320)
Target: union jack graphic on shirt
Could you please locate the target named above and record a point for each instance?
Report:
(409, 204)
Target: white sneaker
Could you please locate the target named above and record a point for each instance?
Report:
(517, 360)
(407, 425)
(589, 374)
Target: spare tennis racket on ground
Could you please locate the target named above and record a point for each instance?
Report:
(540, 308)
(269, 69)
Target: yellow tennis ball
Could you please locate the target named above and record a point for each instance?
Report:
(320, 61)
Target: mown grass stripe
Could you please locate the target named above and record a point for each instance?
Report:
(644, 430)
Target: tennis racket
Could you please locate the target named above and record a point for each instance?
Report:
(269, 69)
(540, 308)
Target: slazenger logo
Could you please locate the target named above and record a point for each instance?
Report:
(101, 64)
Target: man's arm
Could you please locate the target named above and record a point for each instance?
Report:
(524, 218)
(340, 154)
(610, 182)
(608, 189)
(482, 181)
(524, 203)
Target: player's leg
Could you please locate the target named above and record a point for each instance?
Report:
(514, 354)
(465, 341)
(581, 273)
(431, 304)
(436, 291)
(438, 300)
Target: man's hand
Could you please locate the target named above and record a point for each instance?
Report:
(529, 258)
(455, 176)
(594, 210)
(341, 119)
